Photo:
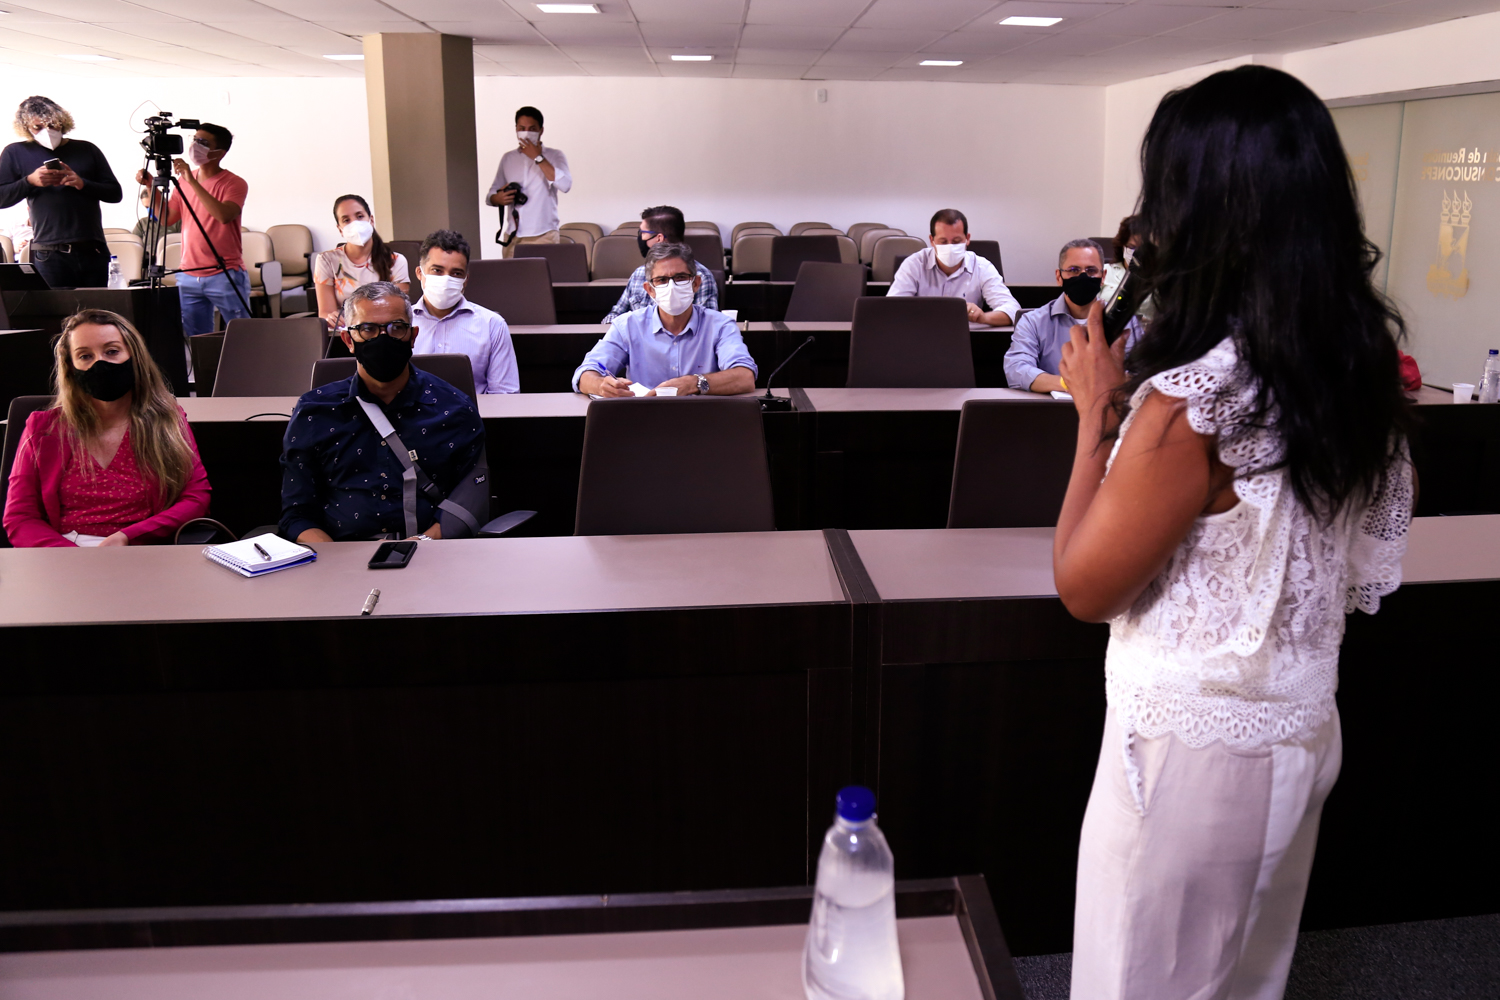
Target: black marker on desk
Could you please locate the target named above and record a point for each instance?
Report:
(266, 556)
(370, 602)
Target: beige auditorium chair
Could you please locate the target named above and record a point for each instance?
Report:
(293, 244)
(615, 258)
(703, 225)
(858, 230)
(131, 256)
(264, 268)
(887, 249)
(868, 240)
(580, 233)
(7, 250)
(752, 254)
(627, 228)
(734, 234)
(172, 259)
(108, 232)
(801, 229)
(848, 252)
(592, 228)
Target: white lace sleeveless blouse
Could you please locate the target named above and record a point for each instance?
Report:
(1238, 638)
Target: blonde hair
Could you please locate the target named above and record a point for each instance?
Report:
(45, 108)
(156, 433)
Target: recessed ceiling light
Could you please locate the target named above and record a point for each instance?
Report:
(941, 62)
(344, 57)
(88, 57)
(692, 58)
(1031, 22)
(568, 8)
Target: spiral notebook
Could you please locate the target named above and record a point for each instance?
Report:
(244, 559)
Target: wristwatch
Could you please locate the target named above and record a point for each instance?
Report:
(421, 538)
(538, 158)
(702, 385)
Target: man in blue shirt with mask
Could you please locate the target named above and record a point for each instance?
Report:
(670, 344)
(339, 479)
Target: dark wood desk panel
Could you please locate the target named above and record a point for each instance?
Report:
(218, 741)
(25, 364)
(156, 313)
(1457, 453)
(584, 301)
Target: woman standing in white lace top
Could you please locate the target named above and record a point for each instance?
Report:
(1231, 500)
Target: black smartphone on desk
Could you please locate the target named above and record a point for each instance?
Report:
(393, 555)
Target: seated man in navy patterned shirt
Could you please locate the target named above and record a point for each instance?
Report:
(339, 480)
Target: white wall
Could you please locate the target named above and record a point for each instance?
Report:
(737, 150)
(726, 150)
(1465, 50)
(299, 143)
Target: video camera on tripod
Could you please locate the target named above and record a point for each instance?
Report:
(160, 146)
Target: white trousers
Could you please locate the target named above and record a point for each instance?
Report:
(1199, 896)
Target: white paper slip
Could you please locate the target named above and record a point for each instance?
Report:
(638, 389)
(1059, 394)
(245, 556)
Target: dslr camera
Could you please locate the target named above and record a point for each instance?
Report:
(158, 143)
(515, 189)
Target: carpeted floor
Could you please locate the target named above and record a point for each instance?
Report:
(1455, 959)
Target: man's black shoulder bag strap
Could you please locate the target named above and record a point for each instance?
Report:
(413, 478)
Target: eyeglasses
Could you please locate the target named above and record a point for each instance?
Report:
(398, 330)
(660, 281)
(1073, 272)
(651, 234)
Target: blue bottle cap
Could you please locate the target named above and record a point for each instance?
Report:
(856, 803)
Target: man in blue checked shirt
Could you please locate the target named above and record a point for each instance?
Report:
(671, 343)
(662, 224)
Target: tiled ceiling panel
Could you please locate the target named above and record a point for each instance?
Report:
(1095, 42)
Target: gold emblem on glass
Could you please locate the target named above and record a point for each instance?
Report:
(1453, 248)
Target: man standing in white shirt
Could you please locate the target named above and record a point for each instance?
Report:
(541, 174)
(949, 267)
(448, 323)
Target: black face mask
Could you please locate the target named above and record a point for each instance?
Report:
(384, 357)
(106, 381)
(643, 245)
(1081, 289)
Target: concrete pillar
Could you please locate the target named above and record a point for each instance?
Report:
(420, 90)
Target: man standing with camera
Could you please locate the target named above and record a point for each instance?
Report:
(530, 176)
(63, 181)
(217, 198)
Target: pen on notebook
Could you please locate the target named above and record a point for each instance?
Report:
(370, 602)
(263, 553)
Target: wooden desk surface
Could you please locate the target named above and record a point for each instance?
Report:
(733, 963)
(841, 326)
(597, 329)
(459, 577)
(861, 400)
(233, 409)
(957, 563)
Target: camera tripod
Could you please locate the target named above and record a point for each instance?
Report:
(156, 226)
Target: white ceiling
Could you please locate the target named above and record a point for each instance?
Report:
(1098, 42)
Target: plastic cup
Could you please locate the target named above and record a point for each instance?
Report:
(672, 391)
(1463, 392)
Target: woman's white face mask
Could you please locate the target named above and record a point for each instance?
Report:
(358, 233)
(1129, 255)
(442, 290)
(951, 254)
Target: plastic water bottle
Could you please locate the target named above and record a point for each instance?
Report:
(1489, 384)
(116, 276)
(851, 951)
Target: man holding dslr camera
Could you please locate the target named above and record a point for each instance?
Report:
(217, 198)
(532, 176)
(63, 181)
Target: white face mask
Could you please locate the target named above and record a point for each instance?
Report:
(358, 233)
(532, 137)
(1129, 255)
(442, 291)
(951, 254)
(674, 299)
(197, 154)
(48, 137)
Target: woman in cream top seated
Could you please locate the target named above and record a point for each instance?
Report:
(112, 461)
(361, 259)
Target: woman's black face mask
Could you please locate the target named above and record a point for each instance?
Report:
(106, 381)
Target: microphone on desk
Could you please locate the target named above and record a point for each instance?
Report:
(777, 403)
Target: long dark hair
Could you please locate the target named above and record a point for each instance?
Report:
(381, 255)
(1250, 208)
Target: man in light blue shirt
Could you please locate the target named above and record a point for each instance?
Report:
(670, 344)
(1036, 347)
(448, 323)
